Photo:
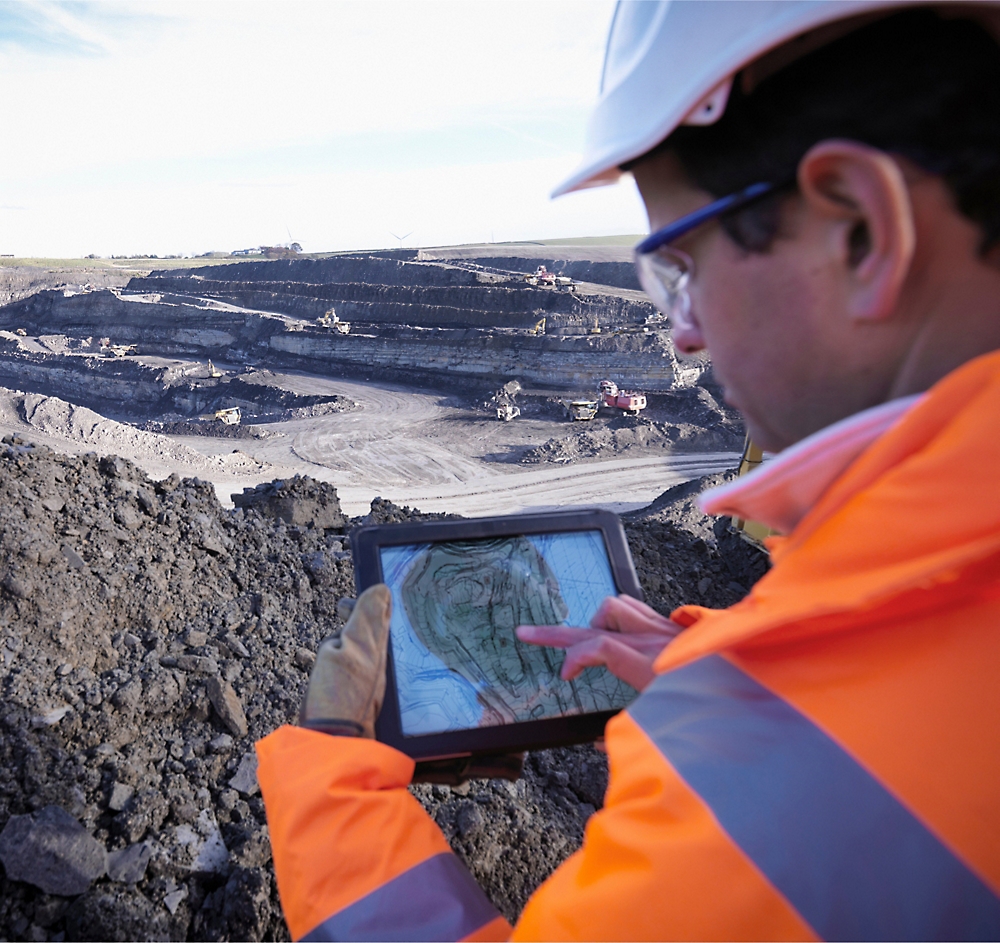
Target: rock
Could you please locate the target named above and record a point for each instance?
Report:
(249, 848)
(116, 914)
(298, 501)
(120, 795)
(470, 819)
(74, 559)
(202, 844)
(169, 484)
(197, 664)
(50, 910)
(227, 705)
(317, 564)
(173, 900)
(127, 697)
(228, 799)
(145, 811)
(53, 504)
(17, 587)
(129, 865)
(211, 543)
(114, 467)
(247, 906)
(51, 717)
(245, 779)
(223, 743)
(53, 851)
(195, 639)
(236, 646)
(127, 516)
(304, 658)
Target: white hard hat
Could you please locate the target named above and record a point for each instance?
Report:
(672, 62)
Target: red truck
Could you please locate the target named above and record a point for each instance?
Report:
(625, 400)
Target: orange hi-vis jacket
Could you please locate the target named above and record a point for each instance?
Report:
(821, 760)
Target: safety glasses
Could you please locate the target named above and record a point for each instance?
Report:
(665, 272)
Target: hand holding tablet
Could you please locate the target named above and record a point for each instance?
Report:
(460, 682)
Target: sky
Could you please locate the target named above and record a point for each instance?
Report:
(184, 128)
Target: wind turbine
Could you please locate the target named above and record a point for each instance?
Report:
(400, 239)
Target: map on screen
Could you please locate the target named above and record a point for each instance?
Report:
(458, 663)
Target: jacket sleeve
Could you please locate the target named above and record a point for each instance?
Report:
(355, 855)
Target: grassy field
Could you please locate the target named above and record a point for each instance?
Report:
(127, 266)
(139, 266)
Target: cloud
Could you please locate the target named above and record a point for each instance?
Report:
(68, 29)
(113, 105)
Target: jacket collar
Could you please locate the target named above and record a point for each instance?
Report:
(913, 512)
(783, 490)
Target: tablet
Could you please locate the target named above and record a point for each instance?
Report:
(459, 682)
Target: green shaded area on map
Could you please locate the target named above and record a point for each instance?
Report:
(464, 600)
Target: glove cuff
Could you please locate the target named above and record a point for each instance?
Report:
(334, 726)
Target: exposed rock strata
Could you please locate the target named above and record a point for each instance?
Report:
(130, 389)
(424, 322)
(21, 281)
(186, 328)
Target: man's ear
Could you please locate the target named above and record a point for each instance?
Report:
(862, 192)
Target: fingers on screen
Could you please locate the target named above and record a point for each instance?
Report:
(624, 662)
(625, 614)
(556, 636)
(638, 606)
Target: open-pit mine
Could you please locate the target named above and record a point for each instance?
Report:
(184, 453)
(372, 372)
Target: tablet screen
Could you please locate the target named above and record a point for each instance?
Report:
(458, 663)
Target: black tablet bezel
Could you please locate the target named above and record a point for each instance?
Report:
(366, 542)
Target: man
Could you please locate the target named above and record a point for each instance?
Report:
(822, 760)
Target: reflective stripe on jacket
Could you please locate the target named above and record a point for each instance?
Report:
(821, 760)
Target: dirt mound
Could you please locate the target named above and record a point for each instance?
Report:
(687, 419)
(683, 556)
(624, 436)
(51, 415)
(55, 420)
(148, 637)
(213, 428)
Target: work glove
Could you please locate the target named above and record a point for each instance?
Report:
(347, 687)
(347, 684)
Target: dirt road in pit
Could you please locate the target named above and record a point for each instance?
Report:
(406, 446)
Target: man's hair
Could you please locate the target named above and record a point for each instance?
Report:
(915, 84)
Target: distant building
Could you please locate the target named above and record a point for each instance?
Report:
(272, 252)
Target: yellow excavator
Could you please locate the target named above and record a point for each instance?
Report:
(754, 531)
